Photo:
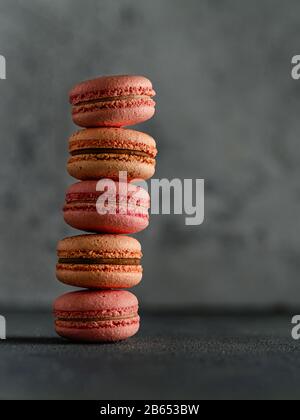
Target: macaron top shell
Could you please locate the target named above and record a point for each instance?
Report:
(111, 87)
(112, 138)
(96, 301)
(104, 246)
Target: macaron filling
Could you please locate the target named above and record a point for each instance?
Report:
(91, 198)
(114, 98)
(97, 319)
(100, 324)
(100, 261)
(110, 151)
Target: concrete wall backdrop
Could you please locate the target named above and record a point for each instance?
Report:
(228, 111)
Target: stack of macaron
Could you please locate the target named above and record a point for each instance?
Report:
(105, 261)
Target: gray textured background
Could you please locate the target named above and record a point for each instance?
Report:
(228, 111)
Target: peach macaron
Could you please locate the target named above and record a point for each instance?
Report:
(99, 261)
(105, 152)
(97, 316)
(112, 101)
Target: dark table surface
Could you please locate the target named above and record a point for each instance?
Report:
(175, 356)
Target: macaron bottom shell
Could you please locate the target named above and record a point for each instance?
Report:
(90, 220)
(91, 167)
(105, 331)
(99, 277)
(113, 116)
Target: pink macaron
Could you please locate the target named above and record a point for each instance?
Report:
(97, 316)
(112, 101)
(107, 207)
